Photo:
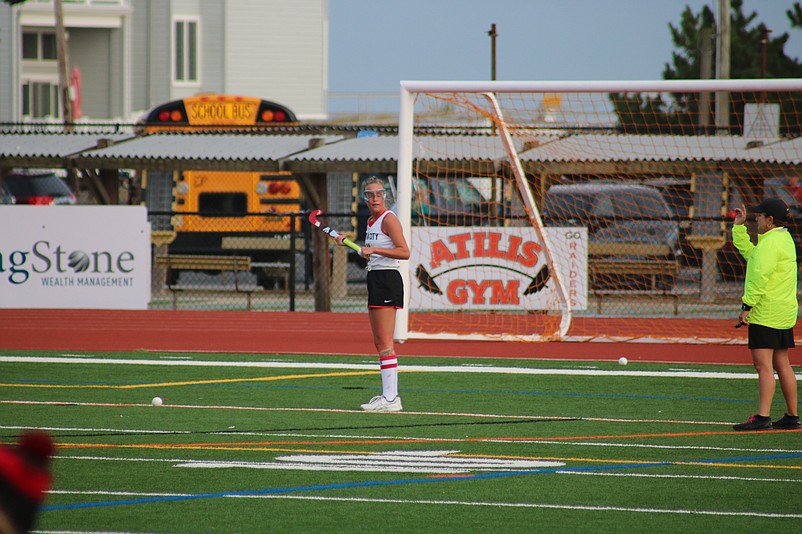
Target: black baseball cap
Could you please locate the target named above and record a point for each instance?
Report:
(771, 206)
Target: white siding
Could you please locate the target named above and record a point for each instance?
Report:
(9, 66)
(90, 51)
(276, 50)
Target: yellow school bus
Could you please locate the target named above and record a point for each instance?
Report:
(216, 212)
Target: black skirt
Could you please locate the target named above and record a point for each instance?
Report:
(764, 337)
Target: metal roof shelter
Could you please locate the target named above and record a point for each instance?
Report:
(220, 152)
(314, 153)
(628, 154)
(477, 153)
(49, 149)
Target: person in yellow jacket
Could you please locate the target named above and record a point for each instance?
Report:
(769, 307)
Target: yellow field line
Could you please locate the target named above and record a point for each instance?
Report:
(191, 382)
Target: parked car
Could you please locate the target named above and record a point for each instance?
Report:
(5, 195)
(39, 189)
(616, 213)
(679, 195)
(447, 202)
(435, 202)
(789, 189)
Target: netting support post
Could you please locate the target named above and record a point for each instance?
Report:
(709, 245)
(404, 199)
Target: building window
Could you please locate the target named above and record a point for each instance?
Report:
(185, 51)
(39, 46)
(40, 99)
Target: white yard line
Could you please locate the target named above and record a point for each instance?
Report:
(335, 410)
(369, 367)
(427, 502)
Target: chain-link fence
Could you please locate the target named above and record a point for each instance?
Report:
(273, 271)
(236, 266)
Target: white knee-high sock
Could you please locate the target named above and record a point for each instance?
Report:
(389, 368)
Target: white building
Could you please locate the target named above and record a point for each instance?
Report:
(132, 55)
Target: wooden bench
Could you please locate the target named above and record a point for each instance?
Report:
(647, 260)
(255, 243)
(278, 270)
(271, 270)
(191, 262)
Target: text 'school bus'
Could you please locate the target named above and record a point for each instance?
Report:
(216, 212)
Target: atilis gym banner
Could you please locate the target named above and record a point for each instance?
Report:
(74, 257)
(486, 268)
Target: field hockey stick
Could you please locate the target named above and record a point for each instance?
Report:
(332, 232)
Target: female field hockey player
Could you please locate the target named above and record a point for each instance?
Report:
(385, 247)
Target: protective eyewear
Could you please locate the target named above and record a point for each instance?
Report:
(375, 193)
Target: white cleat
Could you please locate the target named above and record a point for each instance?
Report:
(380, 404)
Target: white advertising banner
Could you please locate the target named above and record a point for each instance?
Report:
(481, 268)
(74, 257)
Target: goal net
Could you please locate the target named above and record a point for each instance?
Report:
(587, 210)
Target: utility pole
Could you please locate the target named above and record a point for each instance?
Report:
(706, 73)
(764, 45)
(61, 50)
(492, 33)
(723, 66)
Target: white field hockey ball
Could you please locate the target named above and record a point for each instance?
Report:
(157, 401)
(623, 361)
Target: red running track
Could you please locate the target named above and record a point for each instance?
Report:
(320, 333)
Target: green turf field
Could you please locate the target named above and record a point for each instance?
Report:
(256, 443)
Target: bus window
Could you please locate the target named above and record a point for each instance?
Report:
(223, 204)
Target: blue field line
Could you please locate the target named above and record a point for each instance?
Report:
(751, 458)
(349, 485)
(374, 483)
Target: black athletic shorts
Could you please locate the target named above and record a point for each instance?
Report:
(385, 289)
(764, 337)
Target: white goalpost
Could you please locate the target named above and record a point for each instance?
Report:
(480, 167)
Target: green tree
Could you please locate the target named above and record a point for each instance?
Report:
(795, 15)
(680, 115)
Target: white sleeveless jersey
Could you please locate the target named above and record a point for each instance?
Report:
(376, 237)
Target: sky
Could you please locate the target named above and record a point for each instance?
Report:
(375, 44)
